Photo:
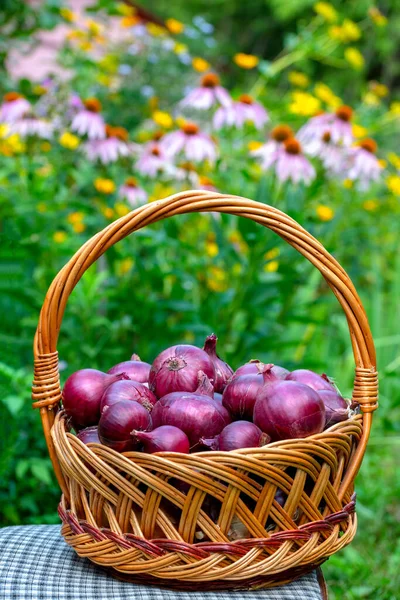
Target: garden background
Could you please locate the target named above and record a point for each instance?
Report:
(181, 279)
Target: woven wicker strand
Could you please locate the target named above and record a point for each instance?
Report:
(129, 512)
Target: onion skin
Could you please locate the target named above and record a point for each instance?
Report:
(176, 370)
(336, 407)
(166, 438)
(119, 420)
(288, 410)
(197, 416)
(253, 368)
(240, 434)
(241, 393)
(223, 372)
(82, 395)
(90, 435)
(128, 390)
(135, 369)
(205, 387)
(314, 381)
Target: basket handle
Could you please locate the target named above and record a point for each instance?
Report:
(46, 390)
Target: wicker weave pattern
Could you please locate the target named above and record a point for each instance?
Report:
(144, 515)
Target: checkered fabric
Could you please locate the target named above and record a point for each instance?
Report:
(36, 564)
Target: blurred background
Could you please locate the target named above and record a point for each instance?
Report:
(70, 68)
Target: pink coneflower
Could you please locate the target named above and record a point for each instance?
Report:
(111, 148)
(268, 151)
(291, 164)
(332, 156)
(29, 125)
(209, 93)
(194, 144)
(338, 124)
(240, 112)
(207, 184)
(364, 166)
(131, 192)
(152, 160)
(14, 107)
(89, 121)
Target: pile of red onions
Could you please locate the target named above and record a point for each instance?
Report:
(190, 399)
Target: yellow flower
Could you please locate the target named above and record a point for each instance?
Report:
(155, 30)
(394, 108)
(163, 119)
(104, 186)
(348, 184)
(76, 34)
(394, 159)
(200, 64)
(393, 184)
(354, 58)
(212, 249)
(253, 145)
(382, 163)
(351, 31)
(325, 213)
(246, 61)
(75, 217)
(129, 21)
(359, 131)
(174, 26)
(298, 79)
(180, 48)
(67, 14)
(327, 11)
(4, 130)
(107, 212)
(79, 227)
(39, 90)
(217, 279)
(85, 45)
(324, 93)
(272, 254)
(371, 99)
(161, 191)
(236, 238)
(121, 209)
(59, 237)
(104, 79)
(380, 89)
(378, 18)
(371, 205)
(272, 266)
(94, 28)
(125, 9)
(41, 207)
(304, 104)
(69, 140)
(11, 144)
(125, 265)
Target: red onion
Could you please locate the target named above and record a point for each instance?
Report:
(204, 385)
(128, 390)
(135, 369)
(314, 381)
(336, 407)
(241, 392)
(82, 395)
(176, 370)
(223, 371)
(253, 368)
(166, 438)
(89, 435)
(218, 397)
(198, 416)
(118, 421)
(240, 434)
(287, 409)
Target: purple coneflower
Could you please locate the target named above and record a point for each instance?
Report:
(240, 112)
(152, 159)
(209, 93)
(29, 125)
(338, 124)
(131, 192)
(111, 148)
(268, 151)
(291, 164)
(194, 144)
(89, 121)
(364, 166)
(14, 107)
(332, 156)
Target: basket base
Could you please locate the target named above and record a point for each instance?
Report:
(255, 583)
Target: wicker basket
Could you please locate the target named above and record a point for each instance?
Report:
(146, 517)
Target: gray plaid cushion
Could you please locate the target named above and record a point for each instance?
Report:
(36, 564)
